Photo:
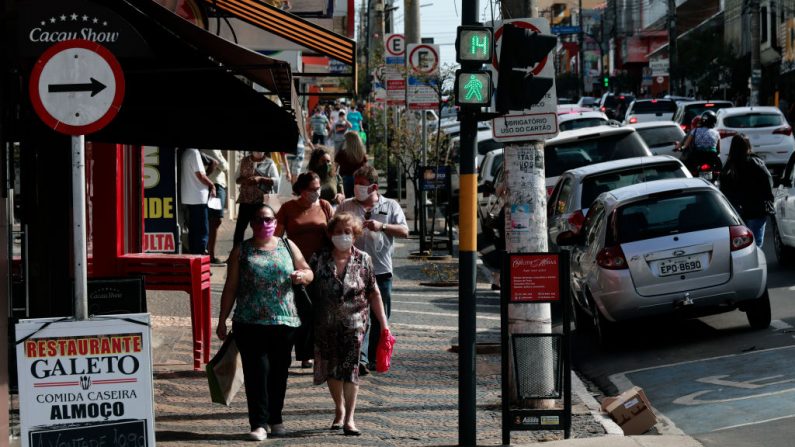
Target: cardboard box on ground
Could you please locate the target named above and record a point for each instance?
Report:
(631, 411)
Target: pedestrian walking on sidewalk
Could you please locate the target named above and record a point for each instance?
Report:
(217, 173)
(331, 189)
(256, 176)
(351, 157)
(259, 279)
(383, 221)
(304, 220)
(346, 294)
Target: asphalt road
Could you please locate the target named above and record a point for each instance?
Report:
(713, 378)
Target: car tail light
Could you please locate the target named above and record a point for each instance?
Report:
(709, 104)
(549, 190)
(633, 120)
(786, 130)
(684, 127)
(705, 167)
(603, 108)
(740, 236)
(654, 101)
(621, 98)
(726, 133)
(612, 258)
(576, 219)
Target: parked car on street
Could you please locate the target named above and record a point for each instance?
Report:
(665, 247)
(782, 226)
(686, 111)
(615, 105)
(575, 148)
(644, 110)
(766, 128)
(578, 188)
(662, 137)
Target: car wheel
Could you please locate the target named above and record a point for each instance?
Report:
(605, 329)
(758, 312)
(582, 320)
(784, 253)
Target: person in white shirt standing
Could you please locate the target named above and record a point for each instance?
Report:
(217, 172)
(195, 190)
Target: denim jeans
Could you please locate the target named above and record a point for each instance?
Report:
(265, 354)
(757, 226)
(198, 229)
(373, 333)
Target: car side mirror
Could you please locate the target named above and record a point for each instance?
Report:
(568, 238)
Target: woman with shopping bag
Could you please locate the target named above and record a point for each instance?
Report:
(260, 278)
(344, 291)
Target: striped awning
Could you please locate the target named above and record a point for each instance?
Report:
(291, 27)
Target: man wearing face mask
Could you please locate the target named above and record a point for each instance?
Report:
(304, 221)
(383, 221)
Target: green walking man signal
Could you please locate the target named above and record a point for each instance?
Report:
(473, 88)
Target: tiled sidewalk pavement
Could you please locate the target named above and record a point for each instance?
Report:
(414, 404)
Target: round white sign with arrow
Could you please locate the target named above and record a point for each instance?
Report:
(77, 87)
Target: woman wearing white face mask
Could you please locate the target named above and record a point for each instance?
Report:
(304, 221)
(344, 289)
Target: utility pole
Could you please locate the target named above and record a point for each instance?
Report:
(673, 78)
(581, 41)
(411, 21)
(756, 67)
(526, 205)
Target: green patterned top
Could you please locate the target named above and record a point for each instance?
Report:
(265, 291)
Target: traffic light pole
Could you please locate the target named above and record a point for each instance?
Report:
(467, 258)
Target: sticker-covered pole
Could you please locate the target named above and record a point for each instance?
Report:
(79, 226)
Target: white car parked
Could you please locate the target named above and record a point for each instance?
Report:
(579, 119)
(782, 226)
(766, 128)
(662, 137)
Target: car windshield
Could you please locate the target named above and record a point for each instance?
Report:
(559, 158)
(752, 120)
(594, 185)
(654, 106)
(581, 123)
(669, 213)
(696, 110)
(661, 136)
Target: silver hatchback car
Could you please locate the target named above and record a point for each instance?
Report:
(665, 247)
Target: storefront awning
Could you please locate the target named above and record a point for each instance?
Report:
(291, 27)
(186, 88)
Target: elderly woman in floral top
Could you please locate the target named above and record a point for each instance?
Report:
(260, 276)
(344, 289)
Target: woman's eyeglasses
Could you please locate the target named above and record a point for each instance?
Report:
(266, 220)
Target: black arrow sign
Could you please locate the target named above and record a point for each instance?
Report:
(94, 87)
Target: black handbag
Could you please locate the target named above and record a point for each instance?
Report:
(302, 300)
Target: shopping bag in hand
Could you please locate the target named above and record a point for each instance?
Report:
(383, 357)
(225, 372)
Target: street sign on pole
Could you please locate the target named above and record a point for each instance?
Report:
(540, 120)
(394, 70)
(77, 87)
(423, 69)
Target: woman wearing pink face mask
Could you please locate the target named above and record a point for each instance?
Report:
(259, 279)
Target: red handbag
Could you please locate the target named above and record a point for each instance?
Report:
(383, 358)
